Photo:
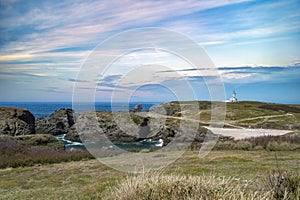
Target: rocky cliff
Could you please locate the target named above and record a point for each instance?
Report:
(121, 127)
(59, 122)
(16, 121)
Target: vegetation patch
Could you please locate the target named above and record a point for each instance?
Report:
(287, 142)
(35, 149)
(283, 184)
(281, 107)
(173, 187)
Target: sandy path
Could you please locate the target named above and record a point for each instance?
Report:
(246, 132)
(263, 117)
(237, 132)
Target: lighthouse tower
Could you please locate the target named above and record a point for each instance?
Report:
(233, 97)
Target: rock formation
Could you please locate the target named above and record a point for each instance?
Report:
(137, 108)
(59, 122)
(92, 124)
(16, 121)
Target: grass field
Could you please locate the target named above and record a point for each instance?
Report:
(91, 179)
(246, 114)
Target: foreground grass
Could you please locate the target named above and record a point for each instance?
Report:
(92, 180)
(173, 187)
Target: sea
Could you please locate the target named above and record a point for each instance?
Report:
(42, 109)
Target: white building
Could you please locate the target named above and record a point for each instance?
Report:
(233, 97)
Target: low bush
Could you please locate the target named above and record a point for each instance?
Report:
(276, 146)
(269, 143)
(234, 145)
(244, 145)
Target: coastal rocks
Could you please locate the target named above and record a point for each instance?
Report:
(115, 127)
(94, 125)
(137, 108)
(16, 121)
(59, 122)
(72, 134)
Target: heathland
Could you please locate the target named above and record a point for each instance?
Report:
(36, 166)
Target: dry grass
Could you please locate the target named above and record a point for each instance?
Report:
(35, 149)
(92, 180)
(289, 142)
(283, 184)
(172, 187)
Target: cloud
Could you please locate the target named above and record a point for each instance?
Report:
(247, 74)
(24, 74)
(109, 81)
(246, 23)
(53, 90)
(77, 80)
(108, 90)
(63, 24)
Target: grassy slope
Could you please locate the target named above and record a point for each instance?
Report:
(250, 114)
(89, 179)
(263, 115)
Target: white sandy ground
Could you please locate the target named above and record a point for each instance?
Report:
(237, 132)
(246, 132)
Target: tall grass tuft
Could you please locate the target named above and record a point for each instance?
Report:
(284, 185)
(170, 187)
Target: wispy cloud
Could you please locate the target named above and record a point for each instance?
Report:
(260, 74)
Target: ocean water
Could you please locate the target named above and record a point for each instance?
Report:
(42, 109)
(144, 144)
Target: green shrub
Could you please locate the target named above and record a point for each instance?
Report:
(275, 146)
(136, 119)
(289, 142)
(227, 145)
(234, 145)
(243, 145)
(258, 148)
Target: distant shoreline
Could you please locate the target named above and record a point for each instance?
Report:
(43, 109)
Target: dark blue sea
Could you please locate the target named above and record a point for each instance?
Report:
(42, 109)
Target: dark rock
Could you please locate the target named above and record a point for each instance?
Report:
(57, 123)
(72, 134)
(117, 128)
(137, 108)
(16, 121)
(96, 125)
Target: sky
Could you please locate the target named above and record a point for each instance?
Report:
(254, 46)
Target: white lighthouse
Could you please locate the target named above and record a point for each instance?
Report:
(233, 97)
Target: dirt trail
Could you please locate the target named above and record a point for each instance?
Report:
(246, 132)
(237, 132)
(263, 117)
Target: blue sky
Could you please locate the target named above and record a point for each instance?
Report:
(255, 45)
